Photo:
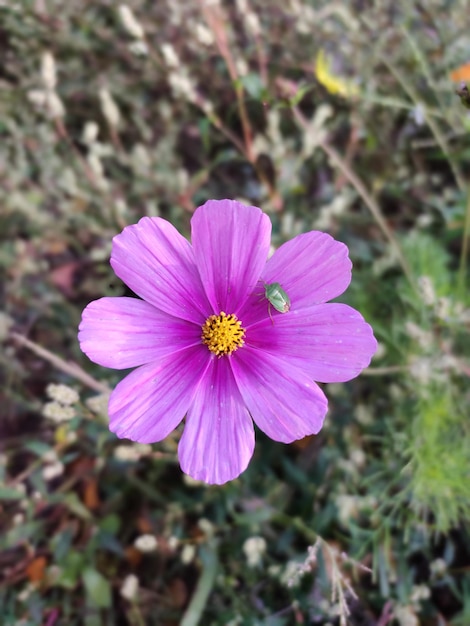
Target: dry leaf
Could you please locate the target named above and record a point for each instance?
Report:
(36, 569)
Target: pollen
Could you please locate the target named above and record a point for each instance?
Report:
(222, 333)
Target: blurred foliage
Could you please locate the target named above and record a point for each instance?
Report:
(337, 116)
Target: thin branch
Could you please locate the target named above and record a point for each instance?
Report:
(69, 368)
(368, 200)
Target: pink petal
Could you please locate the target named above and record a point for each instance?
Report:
(331, 342)
(153, 399)
(231, 244)
(311, 268)
(158, 264)
(218, 438)
(283, 399)
(126, 332)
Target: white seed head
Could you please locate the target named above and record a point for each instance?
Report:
(50, 456)
(169, 55)
(290, 576)
(425, 220)
(71, 437)
(438, 567)
(130, 22)
(18, 519)
(98, 404)
(53, 471)
(188, 553)
(55, 106)
(173, 542)
(316, 129)
(133, 452)
(426, 290)
(109, 108)
(252, 23)
(21, 488)
(26, 592)
(203, 34)
(420, 592)
(421, 369)
(90, 132)
(380, 352)
(405, 616)
(242, 66)
(48, 71)
(139, 48)
(47, 101)
(422, 337)
(254, 548)
(358, 457)
(95, 164)
(146, 543)
(62, 393)
(347, 508)
(130, 587)
(443, 308)
(182, 86)
(363, 415)
(206, 526)
(305, 20)
(6, 322)
(189, 481)
(57, 412)
(141, 158)
(207, 106)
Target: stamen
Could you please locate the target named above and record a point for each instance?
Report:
(222, 334)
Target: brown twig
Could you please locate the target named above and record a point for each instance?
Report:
(69, 368)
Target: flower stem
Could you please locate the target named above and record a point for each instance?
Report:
(210, 563)
(465, 244)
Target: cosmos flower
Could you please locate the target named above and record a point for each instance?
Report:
(210, 348)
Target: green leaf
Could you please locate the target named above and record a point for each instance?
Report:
(71, 566)
(97, 587)
(10, 493)
(73, 503)
(253, 85)
(38, 447)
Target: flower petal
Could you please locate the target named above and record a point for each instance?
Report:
(282, 399)
(331, 342)
(153, 399)
(231, 244)
(218, 438)
(312, 268)
(126, 332)
(157, 263)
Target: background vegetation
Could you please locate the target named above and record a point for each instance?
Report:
(338, 116)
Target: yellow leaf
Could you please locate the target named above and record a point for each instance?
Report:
(461, 73)
(336, 85)
(36, 569)
(60, 434)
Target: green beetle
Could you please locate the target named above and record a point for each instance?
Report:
(277, 297)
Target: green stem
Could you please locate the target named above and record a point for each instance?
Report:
(361, 189)
(464, 254)
(432, 123)
(372, 205)
(210, 564)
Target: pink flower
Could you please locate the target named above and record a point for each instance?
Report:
(204, 343)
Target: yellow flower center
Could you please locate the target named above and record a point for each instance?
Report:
(222, 333)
